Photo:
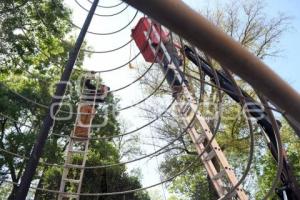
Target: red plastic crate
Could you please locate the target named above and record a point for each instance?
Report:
(139, 34)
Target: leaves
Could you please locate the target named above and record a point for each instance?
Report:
(247, 23)
(34, 46)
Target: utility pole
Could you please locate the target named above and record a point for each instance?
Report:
(56, 100)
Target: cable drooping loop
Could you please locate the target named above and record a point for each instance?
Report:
(164, 111)
(130, 191)
(102, 15)
(109, 33)
(156, 89)
(90, 51)
(158, 152)
(112, 6)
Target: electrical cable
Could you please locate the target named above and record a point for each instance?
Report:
(123, 87)
(113, 6)
(112, 32)
(129, 191)
(279, 149)
(102, 15)
(155, 153)
(250, 126)
(216, 85)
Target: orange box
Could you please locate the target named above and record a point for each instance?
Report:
(87, 114)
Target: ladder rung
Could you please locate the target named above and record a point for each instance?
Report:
(69, 195)
(219, 175)
(89, 102)
(82, 139)
(186, 109)
(210, 155)
(88, 99)
(72, 181)
(86, 89)
(76, 151)
(91, 78)
(200, 139)
(172, 66)
(229, 196)
(229, 188)
(73, 166)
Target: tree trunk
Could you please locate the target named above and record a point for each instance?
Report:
(13, 193)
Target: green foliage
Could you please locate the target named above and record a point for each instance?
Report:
(5, 190)
(173, 197)
(102, 180)
(268, 166)
(30, 57)
(27, 44)
(193, 184)
(247, 22)
(34, 46)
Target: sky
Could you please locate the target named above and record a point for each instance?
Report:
(287, 65)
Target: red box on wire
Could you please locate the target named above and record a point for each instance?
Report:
(147, 36)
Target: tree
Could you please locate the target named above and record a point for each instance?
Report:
(101, 180)
(34, 46)
(155, 194)
(30, 57)
(268, 165)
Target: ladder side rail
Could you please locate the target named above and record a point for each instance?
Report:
(70, 150)
(88, 139)
(209, 166)
(214, 145)
(232, 178)
(62, 194)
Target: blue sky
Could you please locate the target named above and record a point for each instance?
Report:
(288, 64)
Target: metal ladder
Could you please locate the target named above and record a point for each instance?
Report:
(78, 146)
(220, 172)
